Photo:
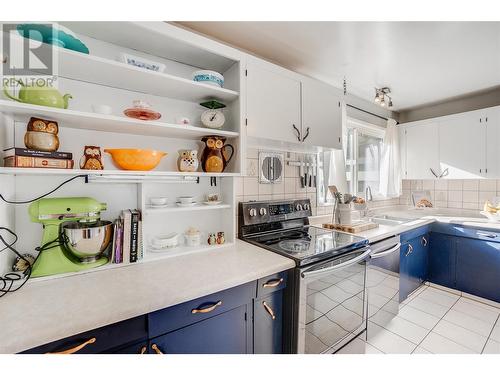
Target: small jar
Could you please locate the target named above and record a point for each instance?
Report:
(193, 237)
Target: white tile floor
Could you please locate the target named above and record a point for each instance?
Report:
(432, 320)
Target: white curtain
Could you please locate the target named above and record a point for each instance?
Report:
(390, 167)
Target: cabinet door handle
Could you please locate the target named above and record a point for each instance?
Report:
(410, 250)
(206, 309)
(424, 241)
(156, 349)
(269, 310)
(143, 349)
(298, 132)
(307, 134)
(445, 173)
(77, 348)
(489, 235)
(272, 283)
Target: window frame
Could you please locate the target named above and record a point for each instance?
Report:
(358, 127)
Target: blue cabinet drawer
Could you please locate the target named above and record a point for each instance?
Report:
(140, 347)
(178, 316)
(225, 333)
(468, 232)
(271, 284)
(98, 340)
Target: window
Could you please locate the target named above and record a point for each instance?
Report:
(363, 144)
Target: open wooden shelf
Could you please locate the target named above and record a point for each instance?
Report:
(68, 118)
(101, 71)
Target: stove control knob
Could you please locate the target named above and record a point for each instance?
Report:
(298, 207)
(263, 211)
(307, 207)
(252, 212)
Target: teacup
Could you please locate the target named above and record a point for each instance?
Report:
(213, 197)
(185, 200)
(158, 201)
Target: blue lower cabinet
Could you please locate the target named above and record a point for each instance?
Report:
(100, 340)
(244, 319)
(225, 333)
(443, 259)
(478, 268)
(414, 257)
(268, 324)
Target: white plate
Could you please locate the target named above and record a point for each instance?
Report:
(212, 203)
(162, 250)
(186, 204)
(490, 216)
(158, 206)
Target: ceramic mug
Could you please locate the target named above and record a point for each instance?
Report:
(186, 200)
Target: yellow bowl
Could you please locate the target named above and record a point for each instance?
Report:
(135, 159)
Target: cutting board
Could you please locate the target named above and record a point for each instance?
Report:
(352, 228)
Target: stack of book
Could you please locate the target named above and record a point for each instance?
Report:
(127, 241)
(25, 158)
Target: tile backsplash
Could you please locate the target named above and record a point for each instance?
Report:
(249, 188)
(465, 194)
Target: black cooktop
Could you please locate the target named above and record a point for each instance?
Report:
(308, 244)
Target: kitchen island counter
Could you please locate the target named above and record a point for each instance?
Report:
(51, 309)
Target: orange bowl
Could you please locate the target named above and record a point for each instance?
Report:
(135, 159)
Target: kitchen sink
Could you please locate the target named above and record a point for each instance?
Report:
(389, 220)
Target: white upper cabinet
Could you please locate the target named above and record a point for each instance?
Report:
(321, 115)
(491, 118)
(421, 151)
(273, 104)
(459, 146)
(462, 146)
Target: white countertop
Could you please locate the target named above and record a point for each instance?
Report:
(48, 310)
(420, 217)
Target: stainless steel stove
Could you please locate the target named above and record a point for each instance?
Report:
(326, 294)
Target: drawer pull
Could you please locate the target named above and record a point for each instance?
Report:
(424, 241)
(143, 349)
(410, 250)
(76, 348)
(485, 234)
(272, 283)
(269, 310)
(206, 309)
(156, 349)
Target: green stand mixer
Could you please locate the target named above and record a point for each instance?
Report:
(74, 237)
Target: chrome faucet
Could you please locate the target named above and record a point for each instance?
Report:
(368, 194)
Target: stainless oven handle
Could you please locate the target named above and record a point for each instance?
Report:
(338, 266)
(387, 252)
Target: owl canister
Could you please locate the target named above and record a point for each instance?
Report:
(188, 161)
(41, 135)
(92, 158)
(214, 157)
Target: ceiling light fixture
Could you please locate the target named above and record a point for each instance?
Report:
(382, 96)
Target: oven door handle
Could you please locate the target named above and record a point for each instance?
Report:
(338, 266)
(386, 252)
